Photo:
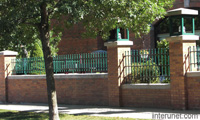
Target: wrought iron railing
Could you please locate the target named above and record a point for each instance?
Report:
(192, 59)
(79, 63)
(146, 66)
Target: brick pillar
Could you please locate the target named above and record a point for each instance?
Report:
(5, 67)
(178, 47)
(115, 50)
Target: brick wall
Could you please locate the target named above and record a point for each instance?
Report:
(146, 97)
(144, 42)
(94, 91)
(74, 90)
(72, 42)
(194, 3)
(84, 91)
(178, 4)
(193, 90)
(2, 79)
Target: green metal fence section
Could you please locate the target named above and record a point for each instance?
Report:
(193, 59)
(147, 66)
(79, 63)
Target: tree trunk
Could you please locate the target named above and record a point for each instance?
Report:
(44, 35)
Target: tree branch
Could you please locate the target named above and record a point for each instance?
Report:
(32, 24)
(52, 10)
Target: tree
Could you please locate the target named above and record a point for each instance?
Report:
(36, 18)
(37, 51)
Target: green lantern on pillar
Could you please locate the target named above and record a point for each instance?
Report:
(182, 21)
(119, 34)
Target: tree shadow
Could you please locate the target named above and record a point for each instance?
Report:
(22, 116)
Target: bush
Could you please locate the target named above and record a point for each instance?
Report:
(37, 51)
(163, 44)
(37, 67)
(145, 72)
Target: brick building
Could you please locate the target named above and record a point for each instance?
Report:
(72, 41)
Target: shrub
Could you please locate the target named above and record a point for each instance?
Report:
(163, 44)
(37, 67)
(164, 61)
(145, 72)
(37, 51)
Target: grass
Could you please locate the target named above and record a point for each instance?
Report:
(16, 115)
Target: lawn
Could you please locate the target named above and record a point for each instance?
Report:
(15, 115)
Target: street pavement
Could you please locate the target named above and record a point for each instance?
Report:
(126, 112)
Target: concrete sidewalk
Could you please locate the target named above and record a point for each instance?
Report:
(127, 112)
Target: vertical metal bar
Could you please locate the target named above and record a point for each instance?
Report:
(140, 68)
(128, 64)
(100, 62)
(106, 62)
(146, 65)
(162, 61)
(89, 62)
(149, 65)
(138, 65)
(96, 62)
(193, 26)
(159, 60)
(123, 57)
(124, 64)
(194, 56)
(118, 30)
(103, 62)
(120, 69)
(168, 64)
(54, 64)
(190, 65)
(93, 62)
(165, 62)
(197, 49)
(86, 62)
(133, 65)
(83, 61)
(182, 25)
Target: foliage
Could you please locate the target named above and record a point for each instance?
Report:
(98, 17)
(163, 44)
(145, 72)
(22, 19)
(144, 52)
(30, 66)
(36, 51)
(37, 68)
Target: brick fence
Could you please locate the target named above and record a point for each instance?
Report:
(85, 89)
(107, 89)
(92, 89)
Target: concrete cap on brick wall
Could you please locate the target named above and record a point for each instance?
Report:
(193, 74)
(183, 37)
(62, 76)
(119, 43)
(8, 52)
(182, 11)
(147, 86)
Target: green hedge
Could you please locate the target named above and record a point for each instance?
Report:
(145, 72)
